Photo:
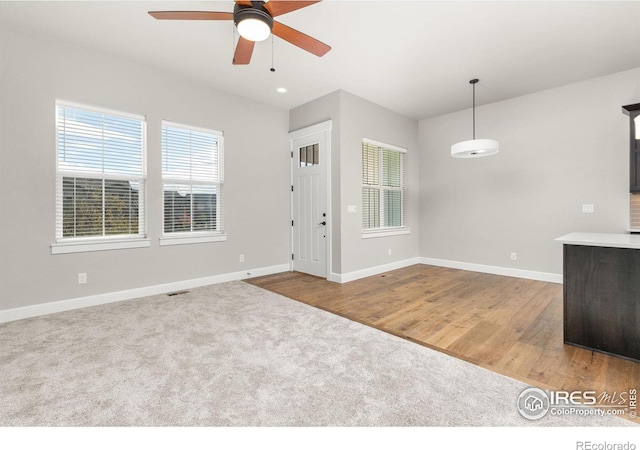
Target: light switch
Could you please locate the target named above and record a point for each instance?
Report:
(587, 208)
(352, 209)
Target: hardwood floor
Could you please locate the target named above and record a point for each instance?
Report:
(511, 326)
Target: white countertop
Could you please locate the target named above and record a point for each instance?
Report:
(621, 240)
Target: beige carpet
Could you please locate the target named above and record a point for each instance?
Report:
(236, 355)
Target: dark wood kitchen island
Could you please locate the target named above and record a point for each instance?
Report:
(602, 292)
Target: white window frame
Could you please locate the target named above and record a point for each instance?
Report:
(63, 245)
(382, 231)
(197, 237)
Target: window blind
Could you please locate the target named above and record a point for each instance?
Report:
(634, 209)
(192, 174)
(383, 190)
(100, 173)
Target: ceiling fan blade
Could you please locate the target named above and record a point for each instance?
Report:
(300, 39)
(244, 50)
(191, 15)
(243, 2)
(279, 7)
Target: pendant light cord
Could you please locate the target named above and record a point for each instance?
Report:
(474, 111)
(473, 83)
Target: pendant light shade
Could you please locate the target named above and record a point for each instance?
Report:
(475, 147)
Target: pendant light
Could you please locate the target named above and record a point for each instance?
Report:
(475, 147)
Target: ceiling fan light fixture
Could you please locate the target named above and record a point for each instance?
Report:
(253, 24)
(254, 21)
(475, 148)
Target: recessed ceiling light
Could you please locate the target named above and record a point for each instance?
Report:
(281, 90)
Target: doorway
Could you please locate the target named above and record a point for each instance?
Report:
(310, 200)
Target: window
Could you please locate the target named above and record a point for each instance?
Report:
(192, 176)
(100, 177)
(383, 192)
(309, 155)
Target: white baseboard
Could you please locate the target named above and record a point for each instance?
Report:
(495, 270)
(371, 271)
(42, 309)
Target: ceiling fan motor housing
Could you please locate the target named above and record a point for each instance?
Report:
(257, 11)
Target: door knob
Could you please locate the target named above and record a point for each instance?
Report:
(322, 223)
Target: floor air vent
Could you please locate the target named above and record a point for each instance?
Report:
(171, 294)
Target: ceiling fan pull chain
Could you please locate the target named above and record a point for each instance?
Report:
(272, 64)
(233, 41)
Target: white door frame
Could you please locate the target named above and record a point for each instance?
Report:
(323, 127)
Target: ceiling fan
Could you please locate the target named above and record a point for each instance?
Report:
(254, 21)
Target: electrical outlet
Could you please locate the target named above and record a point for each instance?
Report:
(514, 256)
(241, 258)
(82, 278)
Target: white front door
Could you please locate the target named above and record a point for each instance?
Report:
(309, 204)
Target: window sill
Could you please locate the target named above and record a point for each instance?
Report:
(384, 232)
(79, 246)
(183, 240)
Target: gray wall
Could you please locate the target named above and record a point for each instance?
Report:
(559, 149)
(34, 73)
(318, 111)
(355, 118)
(363, 119)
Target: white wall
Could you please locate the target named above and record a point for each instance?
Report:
(560, 148)
(34, 72)
(355, 118)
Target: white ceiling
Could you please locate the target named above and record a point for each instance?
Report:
(413, 57)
